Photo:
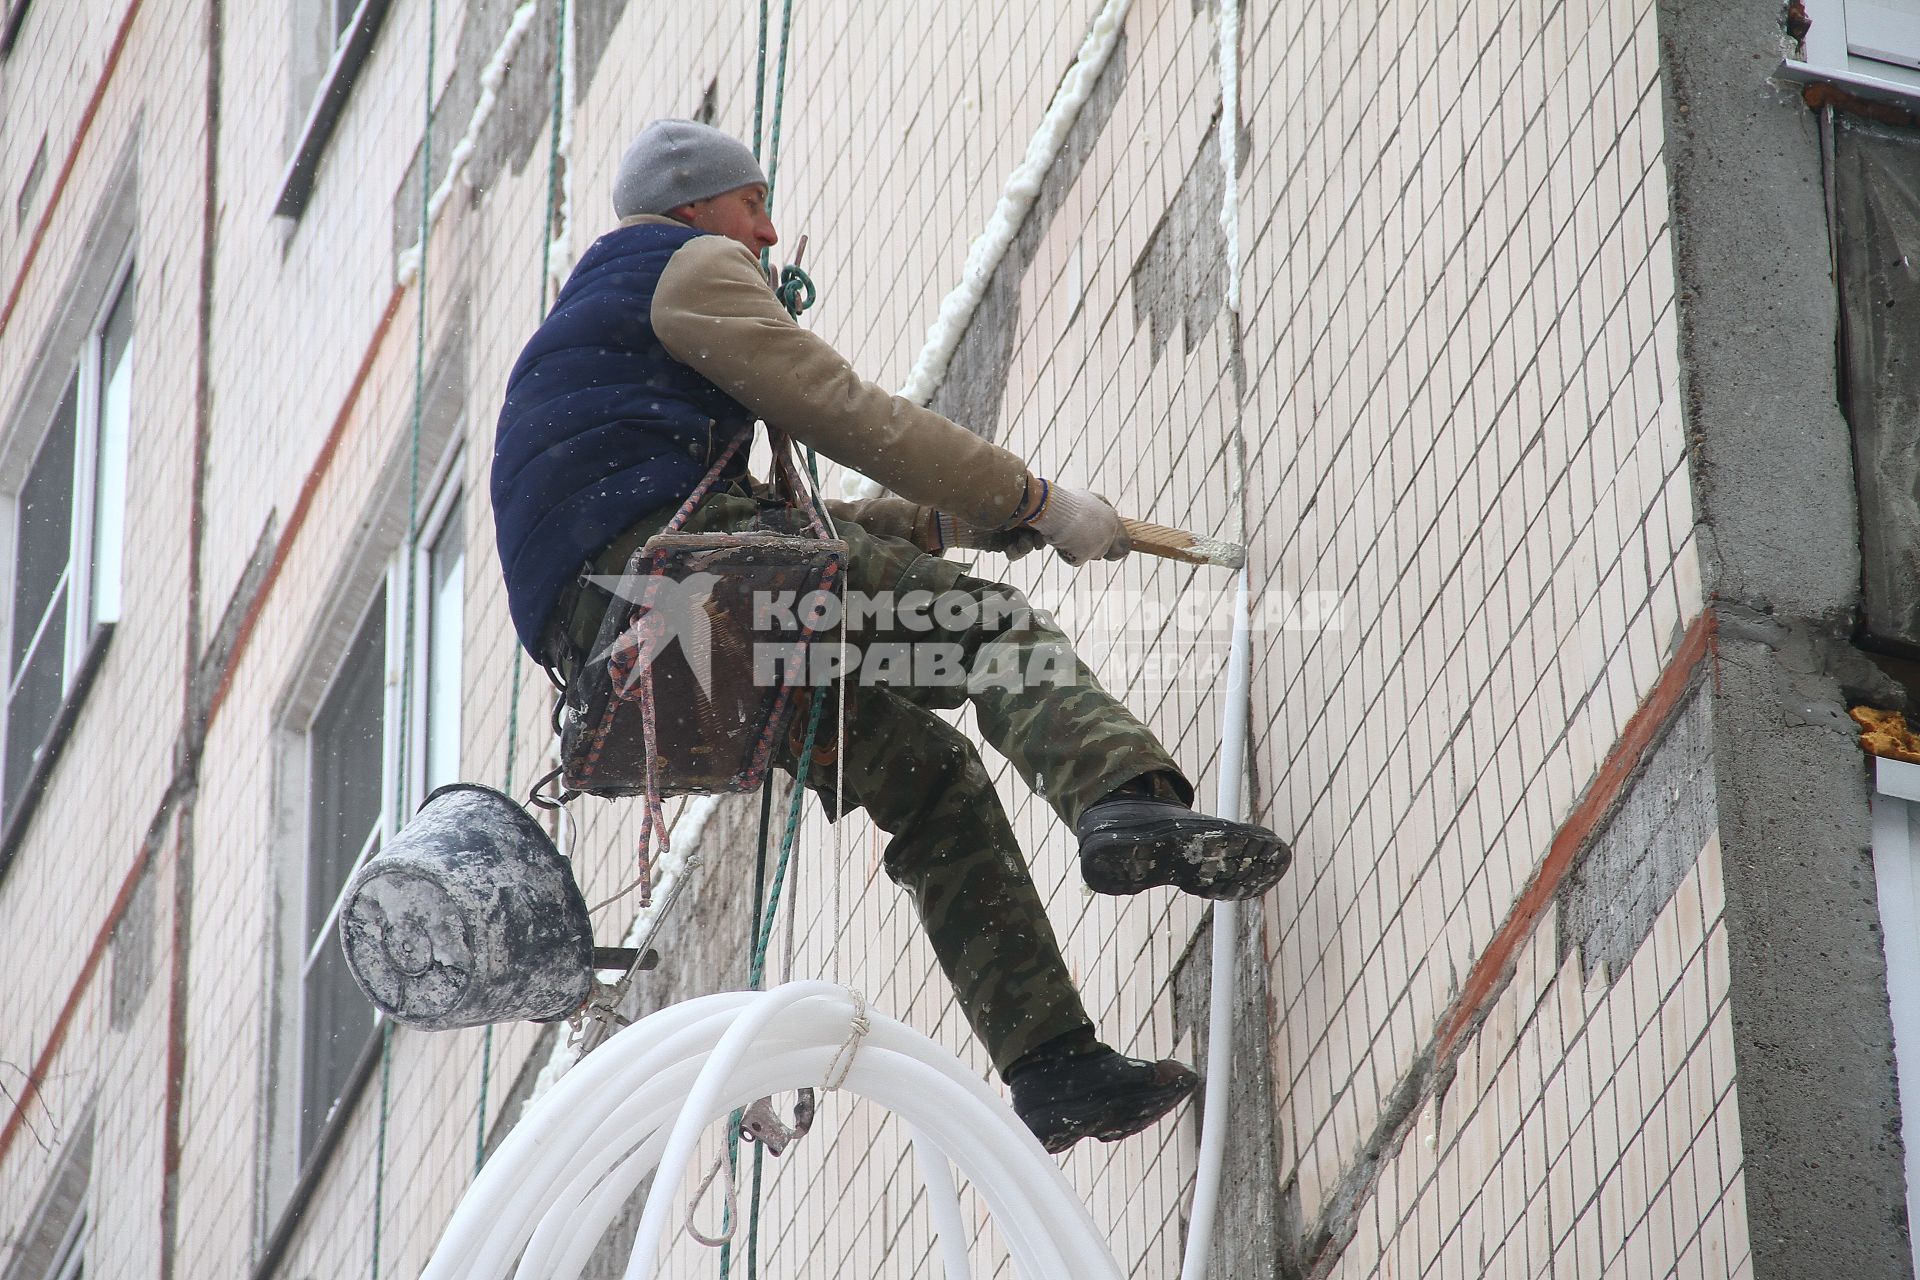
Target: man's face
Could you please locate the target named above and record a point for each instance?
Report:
(740, 214)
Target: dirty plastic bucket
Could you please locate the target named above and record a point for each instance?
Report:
(469, 916)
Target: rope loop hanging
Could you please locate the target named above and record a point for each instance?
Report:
(797, 291)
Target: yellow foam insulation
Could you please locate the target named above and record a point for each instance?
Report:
(1885, 733)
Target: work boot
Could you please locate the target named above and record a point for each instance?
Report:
(1097, 1094)
(1137, 839)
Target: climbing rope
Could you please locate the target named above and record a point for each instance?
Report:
(797, 292)
(562, 12)
(401, 762)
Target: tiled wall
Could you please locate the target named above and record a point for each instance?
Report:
(106, 795)
(1592, 1129)
(1463, 333)
(1455, 377)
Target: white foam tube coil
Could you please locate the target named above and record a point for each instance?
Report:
(638, 1105)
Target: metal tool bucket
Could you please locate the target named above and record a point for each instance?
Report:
(469, 916)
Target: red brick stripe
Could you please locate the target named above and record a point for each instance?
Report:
(1496, 963)
(296, 521)
(66, 168)
(297, 518)
(44, 1061)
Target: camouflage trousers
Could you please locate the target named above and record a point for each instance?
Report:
(922, 781)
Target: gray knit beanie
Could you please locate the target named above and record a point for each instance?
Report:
(675, 162)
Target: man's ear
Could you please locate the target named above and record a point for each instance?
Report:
(683, 214)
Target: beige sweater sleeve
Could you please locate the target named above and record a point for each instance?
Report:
(714, 310)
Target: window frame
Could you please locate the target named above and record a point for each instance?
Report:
(87, 631)
(13, 15)
(1826, 58)
(69, 1259)
(375, 840)
(1895, 808)
(293, 1168)
(54, 1235)
(351, 51)
(448, 490)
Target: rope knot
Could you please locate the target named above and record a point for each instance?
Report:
(857, 1031)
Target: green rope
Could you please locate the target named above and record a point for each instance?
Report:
(757, 969)
(380, 1140)
(760, 82)
(796, 292)
(519, 657)
(401, 752)
(779, 90)
(757, 966)
(753, 1214)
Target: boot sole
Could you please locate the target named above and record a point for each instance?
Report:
(1059, 1127)
(1209, 858)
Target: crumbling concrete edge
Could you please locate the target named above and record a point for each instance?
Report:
(1771, 465)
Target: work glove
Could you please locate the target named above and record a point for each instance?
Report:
(1011, 543)
(1079, 524)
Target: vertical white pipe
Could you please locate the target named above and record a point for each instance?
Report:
(1226, 936)
(1233, 724)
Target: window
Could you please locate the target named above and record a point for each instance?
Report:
(1896, 867)
(440, 566)
(13, 13)
(344, 791)
(1871, 44)
(332, 40)
(67, 541)
(71, 1262)
(51, 1243)
(346, 820)
(322, 29)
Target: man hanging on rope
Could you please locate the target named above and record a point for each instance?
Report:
(666, 343)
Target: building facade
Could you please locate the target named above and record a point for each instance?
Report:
(1548, 361)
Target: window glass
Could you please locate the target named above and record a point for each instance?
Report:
(72, 1262)
(344, 813)
(34, 701)
(1884, 30)
(43, 528)
(110, 466)
(446, 566)
(37, 652)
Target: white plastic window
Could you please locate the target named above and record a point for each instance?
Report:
(320, 27)
(1872, 43)
(346, 822)
(68, 538)
(70, 1261)
(353, 776)
(440, 566)
(1896, 865)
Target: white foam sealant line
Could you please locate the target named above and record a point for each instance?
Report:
(1023, 185)
(560, 248)
(1223, 993)
(636, 1109)
(491, 77)
(669, 873)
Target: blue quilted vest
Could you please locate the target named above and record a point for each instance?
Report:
(601, 427)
